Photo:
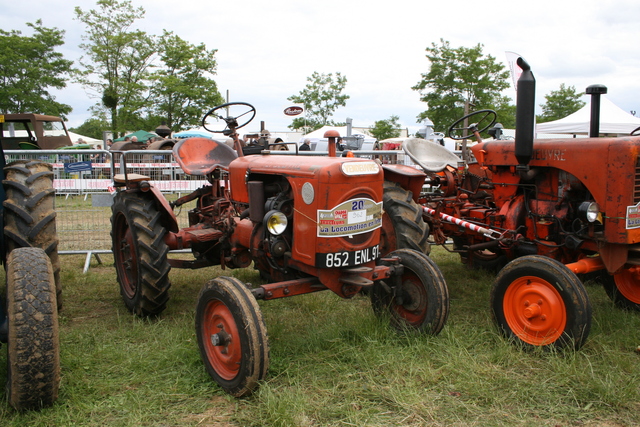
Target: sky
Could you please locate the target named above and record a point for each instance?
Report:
(266, 50)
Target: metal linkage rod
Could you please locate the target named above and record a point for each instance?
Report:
(492, 234)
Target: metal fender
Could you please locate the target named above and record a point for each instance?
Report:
(408, 177)
(169, 219)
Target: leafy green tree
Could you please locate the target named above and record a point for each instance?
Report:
(458, 76)
(560, 103)
(92, 128)
(29, 67)
(383, 129)
(321, 98)
(117, 60)
(182, 87)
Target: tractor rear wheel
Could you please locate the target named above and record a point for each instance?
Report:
(537, 302)
(33, 351)
(232, 336)
(402, 223)
(623, 287)
(420, 298)
(29, 215)
(140, 254)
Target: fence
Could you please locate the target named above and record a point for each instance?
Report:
(83, 180)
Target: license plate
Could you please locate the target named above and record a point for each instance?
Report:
(347, 258)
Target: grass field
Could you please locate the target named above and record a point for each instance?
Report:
(333, 363)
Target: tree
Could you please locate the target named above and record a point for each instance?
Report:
(29, 67)
(92, 128)
(459, 76)
(321, 98)
(383, 129)
(118, 60)
(182, 89)
(560, 103)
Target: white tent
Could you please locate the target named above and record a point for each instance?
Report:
(613, 121)
(87, 140)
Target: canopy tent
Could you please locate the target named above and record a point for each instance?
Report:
(142, 136)
(197, 132)
(87, 140)
(613, 121)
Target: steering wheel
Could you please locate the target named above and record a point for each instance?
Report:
(235, 111)
(635, 132)
(488, 116)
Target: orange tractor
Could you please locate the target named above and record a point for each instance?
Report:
(551, 210)
(307, 224)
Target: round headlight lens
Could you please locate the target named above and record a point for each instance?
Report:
(590, 211)
(276, 222)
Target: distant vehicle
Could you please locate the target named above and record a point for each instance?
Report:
(33, 132)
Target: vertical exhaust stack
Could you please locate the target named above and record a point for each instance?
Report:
(595, 91)
(525, 114)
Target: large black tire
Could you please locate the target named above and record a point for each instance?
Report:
(623, 287)
(29, 215)
(33, 351)
(421, 302)
(140, 253)
(232, 336)
(402, 223)
(538, 302)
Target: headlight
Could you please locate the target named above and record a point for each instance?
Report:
(276, 222)
(590, 211)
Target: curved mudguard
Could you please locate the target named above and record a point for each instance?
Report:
(408, 177)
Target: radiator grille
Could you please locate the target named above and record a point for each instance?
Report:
(636, 183)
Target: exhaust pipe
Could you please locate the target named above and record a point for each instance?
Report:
(525, 114)
(595, 91)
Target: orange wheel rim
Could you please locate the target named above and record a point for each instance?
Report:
(628, 283)
(414, 310)
(534, 310)
(226, 355)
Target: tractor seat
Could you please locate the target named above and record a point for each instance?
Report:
(429, 156)
(201, 156)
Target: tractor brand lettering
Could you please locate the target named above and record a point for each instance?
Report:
(360, 168)
(293, 111)
(347, 258)
(354, 216)
(556, 154)
(633, 216)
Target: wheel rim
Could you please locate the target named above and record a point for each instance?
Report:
(414, 305)
(534, 310)
(628, 284)
(126, 259)
(221, 340)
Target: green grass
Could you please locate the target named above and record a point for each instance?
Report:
(333, 363)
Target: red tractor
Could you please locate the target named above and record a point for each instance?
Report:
(306, 223)
(551, 210)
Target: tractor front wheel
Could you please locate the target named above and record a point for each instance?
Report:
(232, 336)
(140, 254)
(623, 287)
(33, 351)
(418, 299)
(537, 302)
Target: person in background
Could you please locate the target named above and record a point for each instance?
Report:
(109, 144)
(305, 145)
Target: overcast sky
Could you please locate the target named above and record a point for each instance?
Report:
(267, 49)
